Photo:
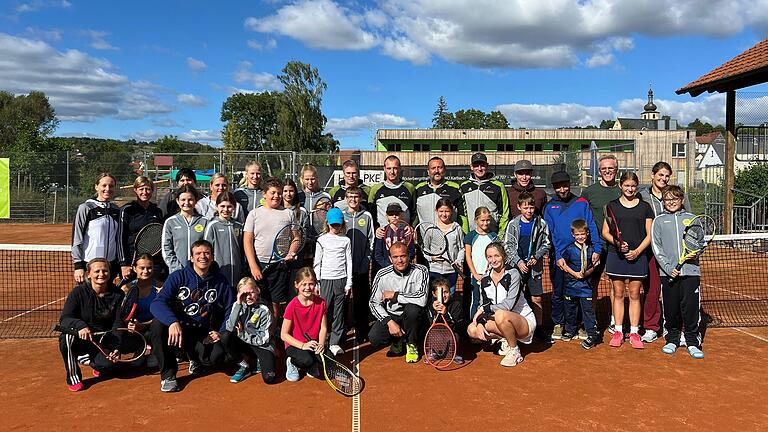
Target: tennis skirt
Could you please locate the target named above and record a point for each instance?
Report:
(619, 267)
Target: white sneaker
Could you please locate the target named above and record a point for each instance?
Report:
(682, 339)
(503, 348)
(336, 350)
(649, 336)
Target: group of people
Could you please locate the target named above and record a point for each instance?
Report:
(217, 293)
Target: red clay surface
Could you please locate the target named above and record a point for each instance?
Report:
(56, 234)
(561, 387)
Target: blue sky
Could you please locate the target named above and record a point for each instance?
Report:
(146, 69)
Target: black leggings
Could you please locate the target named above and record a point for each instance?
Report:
(238, 349)
(192, 344)
(71, 348)
(302, 359)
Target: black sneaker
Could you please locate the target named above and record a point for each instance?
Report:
(589, 343)
(542, 336)
(565, 337)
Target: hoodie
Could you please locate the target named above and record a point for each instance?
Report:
(94, 232)
(560, 213)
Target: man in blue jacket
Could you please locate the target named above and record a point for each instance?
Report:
(560, 211)
(189, 312)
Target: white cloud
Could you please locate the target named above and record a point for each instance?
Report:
(351, 126)
(98, 40)
(80, 87)
(709, 109)
(147, 135)
(195, 64)
(317, 23)
(509, 34)
(260, 80)
(201, 135)
(53, 35)
(166, 122)
(258, 46)
(36, 5)
(191, 100)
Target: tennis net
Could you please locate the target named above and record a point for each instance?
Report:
(35, 281)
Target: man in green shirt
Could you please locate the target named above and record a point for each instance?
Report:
(599, 194)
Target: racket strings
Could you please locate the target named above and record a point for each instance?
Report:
(440, 345)
(343, 379)
(285, 238)
(149, 239)
(434, 241)
(129, 345)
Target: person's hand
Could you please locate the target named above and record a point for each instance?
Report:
(394, 329)
(125, 271)
(438, 307)
(174, 335)
(631, 255)
(522, 266)
(477, 276)
(84, 333)
(256, 273)
(531, 262)
(348, 291)
(132, 325)
(309, 346)
(114, 356)
(675, 273)
(290, 257)
(380, 231)
(212, 338)
(79, 275)
(241, 296)
(388, 295)
(239, 327)
(561, 264)
(437, 258)
(319, 348)
(624, 247)
(579, 275)
(595, 259)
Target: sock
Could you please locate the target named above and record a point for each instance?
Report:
(613, 321)
(618, 328)
(634, 329)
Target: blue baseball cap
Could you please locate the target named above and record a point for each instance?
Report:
(335, 216)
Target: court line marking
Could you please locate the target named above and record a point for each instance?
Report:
(356, 398)
(32, 310)
(739, 329)
(732, 292)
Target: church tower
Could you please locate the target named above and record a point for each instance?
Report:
(650, 112)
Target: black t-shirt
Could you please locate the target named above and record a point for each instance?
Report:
(631, 221)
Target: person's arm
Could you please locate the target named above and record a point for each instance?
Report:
(376, 302)
(468, 257)
(513, 294)
(169, 253)
(665, 261)
(161, 305)
(510, 244)
(544, 241)
(380, 253)
(263, 334)
(234, 315)
(70, 313)
(419, 295)
(78, 238)
(458, 245)
(318, 260)
(503, 206)
(323, 333)
(122, 241)
(348, 255)
(594, 234)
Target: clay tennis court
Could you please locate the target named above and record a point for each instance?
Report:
(557, 387)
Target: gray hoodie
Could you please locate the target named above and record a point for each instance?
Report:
(178, 236)
(541, 248)
(362, 234)
(666, 240)
(255, 321)
(227, 240)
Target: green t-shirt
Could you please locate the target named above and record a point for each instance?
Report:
(598, 196)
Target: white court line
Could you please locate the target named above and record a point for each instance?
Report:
(732, 292)
(739, 329)
(356, 398)
(32, 310)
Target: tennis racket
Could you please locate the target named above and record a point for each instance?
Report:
(338, 376)
(148, 240)
(698, 231)
(289, 240)
(613, 227)
(320, 214)
(440, 342)
(535, 234)
(122, 344)
(402, 232)
(433, 242)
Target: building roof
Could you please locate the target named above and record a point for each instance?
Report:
(708, 138)
(746, 69)
(638, 124)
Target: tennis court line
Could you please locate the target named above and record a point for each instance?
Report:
(729, 291)
(741, 330)
(32, 310)
(356, 398)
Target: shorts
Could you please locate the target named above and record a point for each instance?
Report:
(619, 267)
(274, 284)
(531, 318)
(533, 284)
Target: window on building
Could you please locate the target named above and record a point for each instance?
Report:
(678, 150)
(534, 147)
(506, 147)
(421, 147)
(394, 147)
(478, 147)
(449, 147)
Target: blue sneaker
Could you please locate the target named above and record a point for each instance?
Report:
(695, 352)
(669, 348)
(291, 371)
(241, 374)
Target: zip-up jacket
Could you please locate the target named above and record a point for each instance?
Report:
(338, 195)
(84, 308)
(410, 288)
(178, 236)
(539, 198)
(540, 248)
(227, 240)
(168, 204)
(646, 194)
(385, 193)
(249, 198)
(454, 316)
(428, 195)
(194, 301)
(505, 296)
(207, 208)
(667, 240)
(255, 321)
(309, 199)
(333, 258)
(134, 217)
(361, 234)
(455, 252)
(560, 213)
(577, 287)
(486, 192)
(94, 232)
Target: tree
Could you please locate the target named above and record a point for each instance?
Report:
(254, 115)
(169, 144)
(753, 180)
(572, 165)
(300, 120)
(442, 118)
(469, 119)
(496, 120)
(704, 128)
(607, 124)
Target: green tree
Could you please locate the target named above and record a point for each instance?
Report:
(469, 119)
(169, 144)
(704, 128)
(442, 118)
(572, 165)
(607, 124)
(254, 115)
(496, 120)
(753, 180)
(300, 120)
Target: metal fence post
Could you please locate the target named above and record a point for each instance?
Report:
(67, 185)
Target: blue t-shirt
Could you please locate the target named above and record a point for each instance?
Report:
(524, 242)
(142, 313)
